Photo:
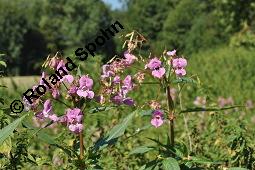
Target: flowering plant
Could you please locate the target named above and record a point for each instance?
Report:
(116, 87)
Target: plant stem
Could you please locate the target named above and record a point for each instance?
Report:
(185, 120)
(170, 116)
(81, 149)
(81, 145)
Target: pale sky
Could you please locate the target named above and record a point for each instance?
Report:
(115, 4)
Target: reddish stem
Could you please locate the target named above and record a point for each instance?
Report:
(170, 116)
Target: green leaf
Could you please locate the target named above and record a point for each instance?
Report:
(237, 168)
(140, 150)
(153, 165)
(119, 129)
(79, 71)
(200, 109)
(170, 163)
(145, 112)
(114, 133)
(184, 80)
(7, 131)
(46, 138)
(6, 146)
(3, 63)
(201, 160)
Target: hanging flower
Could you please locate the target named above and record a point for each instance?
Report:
(157, 118)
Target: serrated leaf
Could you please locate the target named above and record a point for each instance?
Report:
(140, 150)
(7, 131)
(170, 163)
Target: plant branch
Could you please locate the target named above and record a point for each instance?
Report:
(185, 119)
(170, 116)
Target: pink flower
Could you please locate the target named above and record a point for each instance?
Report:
(74, 116)
(55, 93)
(29, 106)
(179, 63)
(153, 64)
(85, 93)
(47, 108)
(180, 72)
(39, 115)
(68, 78)
(86, 82)
(157, 118)
(129, 58)
(129, 102)
(76, 128)
(43, 76)
(171, 53)
(61, 63)
(107, 71)
(72, 90)
(159, 73)
(54, 117)
(116, 80)
(54, 62)
(117, 99)
(127, 83)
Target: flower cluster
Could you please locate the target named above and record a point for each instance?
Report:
(157, 70)
(113, 85)
(179, 65)
(158, 67)
(76, 89)
(72, 118)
